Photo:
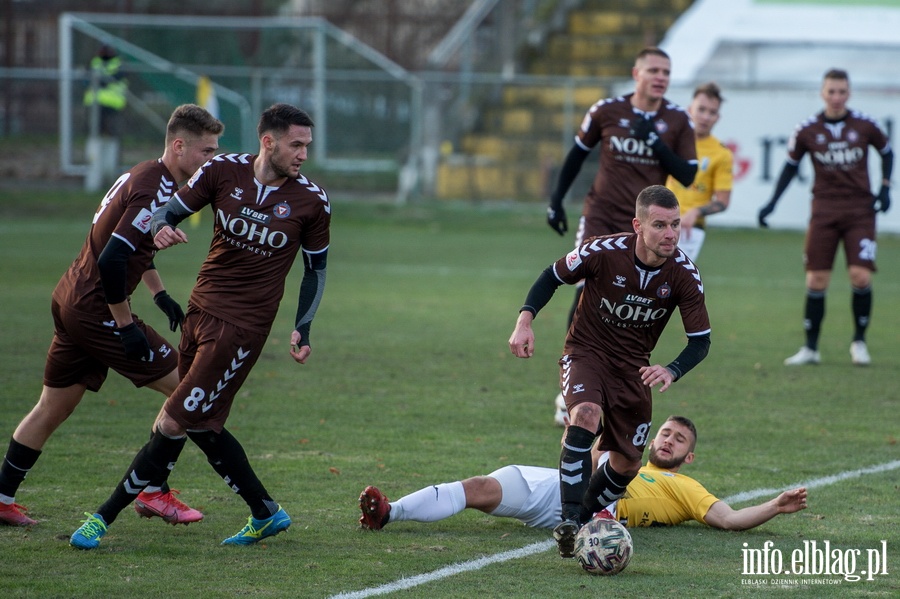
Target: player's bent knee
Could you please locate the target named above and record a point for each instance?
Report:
(169, 427)
(586, 415)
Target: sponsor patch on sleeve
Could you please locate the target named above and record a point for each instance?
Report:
(142, 221)
(573, 259)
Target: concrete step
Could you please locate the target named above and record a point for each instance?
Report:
(552, 97)
(498, 148)
(634, 21)
(533, 121)
(518, 147)
(620, 68)
(468, 179)
(604, 22)
(602, 49)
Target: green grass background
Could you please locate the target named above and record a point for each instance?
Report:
(411, 383)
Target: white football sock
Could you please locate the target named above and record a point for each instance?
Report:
(430, 504)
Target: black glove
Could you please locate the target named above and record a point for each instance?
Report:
(135, 342)
(644, 129)
(556, 218)
(171, 308)
(764, 213)
(882, 200)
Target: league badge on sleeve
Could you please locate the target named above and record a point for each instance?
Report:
(142, 221)
(573, 259)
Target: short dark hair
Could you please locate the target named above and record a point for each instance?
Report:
(280, 117)
(840, 74)
(190, 118)
(688, 424)
(652, 51)
(654, 195)
(710, 90)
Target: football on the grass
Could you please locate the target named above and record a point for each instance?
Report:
(603, 547)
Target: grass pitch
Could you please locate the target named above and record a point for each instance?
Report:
(411, 383)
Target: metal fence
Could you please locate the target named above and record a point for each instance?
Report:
(371, 114)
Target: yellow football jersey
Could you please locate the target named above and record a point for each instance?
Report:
(714, 173)
(658, 497)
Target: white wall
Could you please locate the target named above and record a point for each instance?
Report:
(758, 42)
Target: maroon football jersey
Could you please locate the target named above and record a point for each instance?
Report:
(625, 307)
(628, 165)
(840, 157)
(257, 233)
(124, 213)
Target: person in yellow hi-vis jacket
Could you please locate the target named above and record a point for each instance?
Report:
(107, 90)
(105, 99)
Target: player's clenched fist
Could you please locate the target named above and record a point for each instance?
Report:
(521, 342)
(169, 236)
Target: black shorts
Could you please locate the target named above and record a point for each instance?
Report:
(626, 403)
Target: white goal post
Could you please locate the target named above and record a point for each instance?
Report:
(306, 61)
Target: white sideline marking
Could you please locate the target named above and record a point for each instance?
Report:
(816, 482)
(477, 564)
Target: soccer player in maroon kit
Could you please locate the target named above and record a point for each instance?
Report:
(92, 312)
(843, 209)
(633, 284)
(265, 212)
(642, 139)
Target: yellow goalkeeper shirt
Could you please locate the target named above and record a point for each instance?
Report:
(658, 497)
(714, 173)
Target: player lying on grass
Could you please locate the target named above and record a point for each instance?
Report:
(658, 496)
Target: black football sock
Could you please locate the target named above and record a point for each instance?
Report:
(228, 458)
(814, 314)
(574, 471)
(161, 481)
(19, 460)
(606, 486)
(151, 461)
(862, 309)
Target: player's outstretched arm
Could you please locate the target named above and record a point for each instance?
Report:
(721, 515)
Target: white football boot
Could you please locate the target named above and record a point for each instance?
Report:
(562, 414)
(859, 353)
(804, 356)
